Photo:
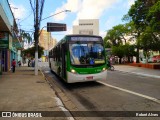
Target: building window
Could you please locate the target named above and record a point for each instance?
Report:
(86, 32)
(82, 24)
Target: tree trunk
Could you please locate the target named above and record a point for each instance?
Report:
(138, 44)
(129, 59)
(120, 60)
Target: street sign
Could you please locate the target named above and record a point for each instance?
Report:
(56, 27)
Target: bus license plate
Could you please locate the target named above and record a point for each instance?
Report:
(89, 78)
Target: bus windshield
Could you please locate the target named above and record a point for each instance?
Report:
(86, 53)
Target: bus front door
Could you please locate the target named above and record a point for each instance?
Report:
(64, 52)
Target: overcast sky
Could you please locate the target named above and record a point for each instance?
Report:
(109, 13)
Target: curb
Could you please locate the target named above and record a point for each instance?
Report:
(58, 98)
(142, 74)
(68, 104)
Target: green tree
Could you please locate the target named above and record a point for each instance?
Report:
(137, 14)
(124, 50)
(153, 18)
(116, 35)
(107, 44)
(149, 42)
(143, 26)
(118, 51)
(30, 52)
(112, 38)
(129, 51)
(145, 14)
(26, 37)
(131, 31)
(121, 31)
(120, 34)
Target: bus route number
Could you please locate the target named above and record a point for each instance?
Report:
(89, 78)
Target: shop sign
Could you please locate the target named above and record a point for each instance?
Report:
(2, 35)
(4, 40)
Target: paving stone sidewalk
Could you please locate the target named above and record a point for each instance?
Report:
(23, 91)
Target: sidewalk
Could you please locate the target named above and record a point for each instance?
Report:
(138, 70)
(23, 91)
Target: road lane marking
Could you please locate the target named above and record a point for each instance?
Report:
(62, 107)
(140, 74)
(131, 92)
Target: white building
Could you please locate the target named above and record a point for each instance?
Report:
(87, 26)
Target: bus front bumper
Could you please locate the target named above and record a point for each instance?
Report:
(72, 78)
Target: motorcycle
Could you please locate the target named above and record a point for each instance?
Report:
(111, 68)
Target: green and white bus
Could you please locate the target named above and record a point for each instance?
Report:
(79, 58)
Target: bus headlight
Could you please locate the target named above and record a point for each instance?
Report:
(73, 71)
(103, 69)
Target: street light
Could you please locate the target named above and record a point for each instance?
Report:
(56, 14)
(51, 16)
(37, 37)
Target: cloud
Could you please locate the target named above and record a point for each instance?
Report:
(61, 15)
(131, 2)
(85, 9)
(125, 4)
(19, 11)
(115, 20)
(102, 33)
(72, 5)
(93, 9)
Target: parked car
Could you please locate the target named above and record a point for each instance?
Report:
(156, 58)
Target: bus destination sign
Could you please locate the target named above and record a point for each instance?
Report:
(85, 39)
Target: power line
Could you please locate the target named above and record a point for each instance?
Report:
(26, 17)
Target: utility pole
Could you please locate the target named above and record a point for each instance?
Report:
(37, 7)
(36, 36)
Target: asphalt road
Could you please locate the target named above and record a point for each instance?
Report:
(137, 83)
(120, 92)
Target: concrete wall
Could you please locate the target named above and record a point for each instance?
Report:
(87, 26)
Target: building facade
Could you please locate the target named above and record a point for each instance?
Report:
(47, 42)
(9, 41)
(87, 26)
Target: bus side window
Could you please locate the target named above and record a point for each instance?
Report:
(54, 55)
(59, 53)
